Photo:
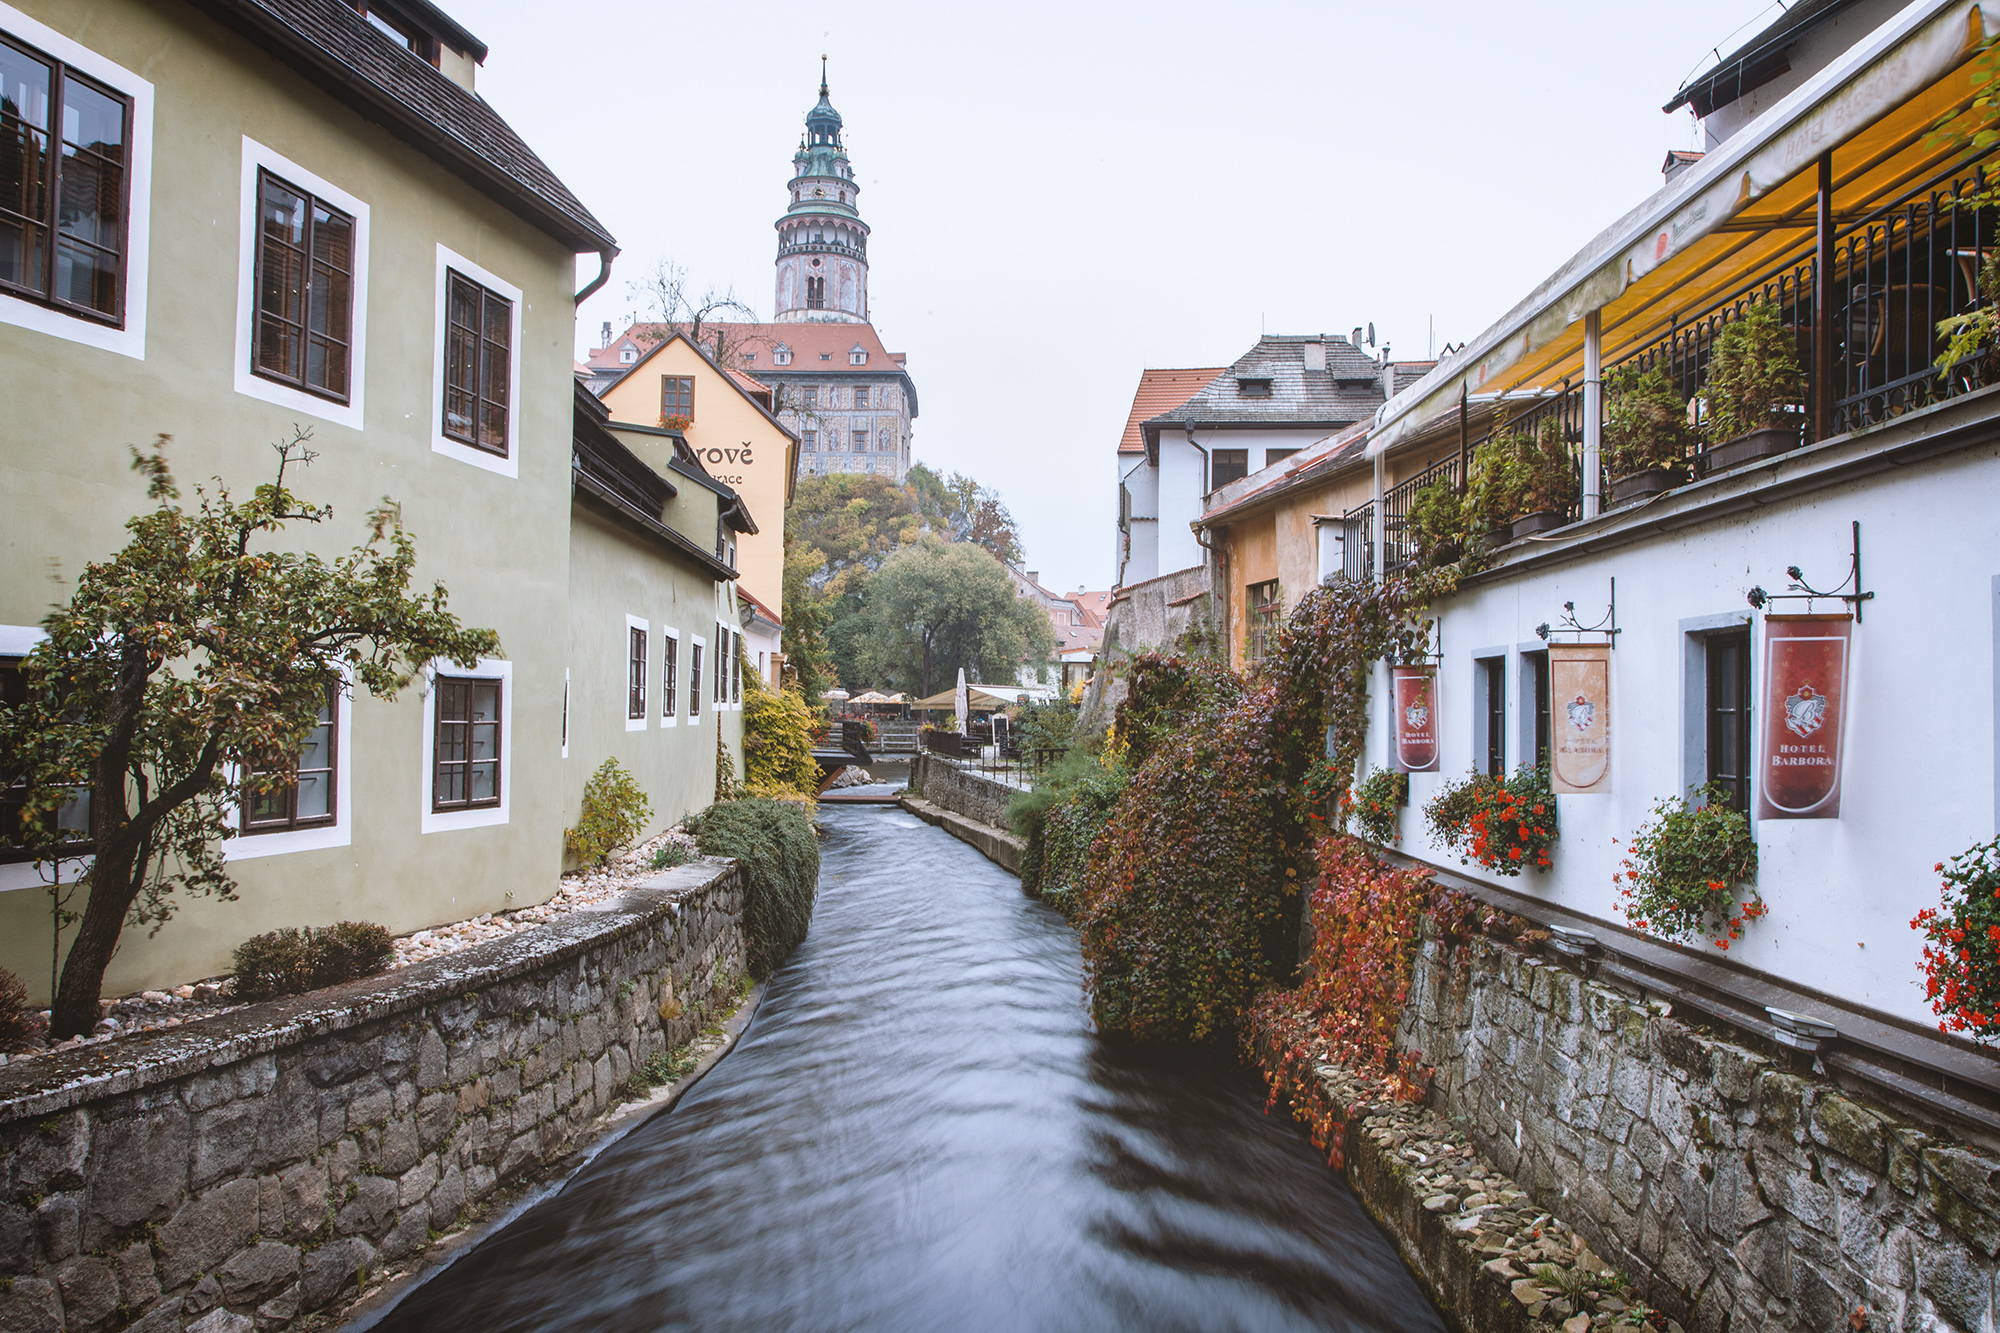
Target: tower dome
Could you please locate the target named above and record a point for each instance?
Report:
(822, 241)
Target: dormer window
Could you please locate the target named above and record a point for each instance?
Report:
(400, 30)
(1253, 386)
(826, 356)
(628, 354)
(781, 355)
(857, 356)
(749, 356)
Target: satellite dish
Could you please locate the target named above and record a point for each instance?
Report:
(1371, 333)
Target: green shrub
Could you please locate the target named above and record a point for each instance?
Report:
(1545, 471)
(1689, 871)
(21, 1027)
(1448, 813)
(615, 811)
(670, 854)
(292, 962)
(779, 854)
(1046, 726)
(1753, 375)
(1435, 525)
(1057, 821)
(777, 742)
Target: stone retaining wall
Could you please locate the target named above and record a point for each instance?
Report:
(949, 787)
(1737, 1194)
(237, 1172)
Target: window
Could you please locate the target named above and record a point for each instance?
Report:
(736, 670)
(811, 392)
(721, 694)
(72, 820)
(810, 439)
(1538, 671)
(1229, 465)
(305, 285)
(465, 753)
(1272, 456)
(861, 395)
(307, 801)
(826, 356)
(62, 205)
(478, 364)
(677, 396)
(1253, 387)
(635, 674)
(1729, 716)
(782, 355)
(1493, 677)
(401, 31)
(857, 357)
(860, 441)
(694, 680)
(627, 354)
(670, 660)
(1264, 607)
(816, 299)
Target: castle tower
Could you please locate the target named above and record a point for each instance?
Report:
(822, 241)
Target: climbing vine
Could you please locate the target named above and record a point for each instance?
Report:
(1191, 897)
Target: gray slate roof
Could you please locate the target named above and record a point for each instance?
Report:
(1299, 396)
(331, 44)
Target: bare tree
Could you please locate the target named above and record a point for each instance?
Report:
(708, 320)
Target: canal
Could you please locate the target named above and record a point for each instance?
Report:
(920, 1131)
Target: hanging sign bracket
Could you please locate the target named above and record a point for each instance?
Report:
(1799, 590)
(1608, 626)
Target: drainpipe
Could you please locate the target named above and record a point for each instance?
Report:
(1189, 431)
(604, 258)
(1218, 587)
(1593, 410)
(1380, 520)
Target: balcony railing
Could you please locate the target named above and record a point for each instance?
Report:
(1898, 272)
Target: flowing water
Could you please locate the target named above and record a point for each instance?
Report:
(919, 1131)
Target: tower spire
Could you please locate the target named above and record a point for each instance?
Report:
(822, 241)
(822, 74)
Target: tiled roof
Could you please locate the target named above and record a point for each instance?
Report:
(1161, 391)
(331, 44)
(1348, 389)
(1409, 372)
(807, 343)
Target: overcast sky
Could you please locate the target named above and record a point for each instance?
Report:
(1064, 194)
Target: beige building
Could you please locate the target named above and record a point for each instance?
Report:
(304, 215)
(724, 420)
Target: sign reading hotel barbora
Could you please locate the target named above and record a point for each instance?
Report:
(1415, 723)
(1580, 690)
(1804, 707)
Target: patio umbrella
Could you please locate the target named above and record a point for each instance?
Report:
(959, 702)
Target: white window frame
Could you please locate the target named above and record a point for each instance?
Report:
(21, 313)
(340, 833)
(670, 715)
(257, 156)
(696, 641)
(510, 466)
(638, 723)
(445, 821)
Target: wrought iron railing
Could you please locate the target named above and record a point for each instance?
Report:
(1899, 271)
(1357, 542)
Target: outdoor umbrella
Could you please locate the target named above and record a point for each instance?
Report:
(959, 701)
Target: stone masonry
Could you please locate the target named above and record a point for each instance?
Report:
(237, 1172)
(961, 791)
(1737, 1194)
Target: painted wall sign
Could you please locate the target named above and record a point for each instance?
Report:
(1415, 722)
(1803, 716)
(1580, 702)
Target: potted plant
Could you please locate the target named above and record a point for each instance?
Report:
(1690, 872)
(1754, 389)
(1374, 804)
(1492, 488)
(1435, 525)
(1646, 434)
(1545, 480)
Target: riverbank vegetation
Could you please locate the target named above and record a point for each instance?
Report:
(778, 850)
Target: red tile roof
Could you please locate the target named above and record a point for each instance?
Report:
(809, 342)
(1161, 391)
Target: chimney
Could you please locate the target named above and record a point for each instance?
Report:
(1315, 354)
(1034, 578)
(605, 340)
(1678, 161)
(1356, 338)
